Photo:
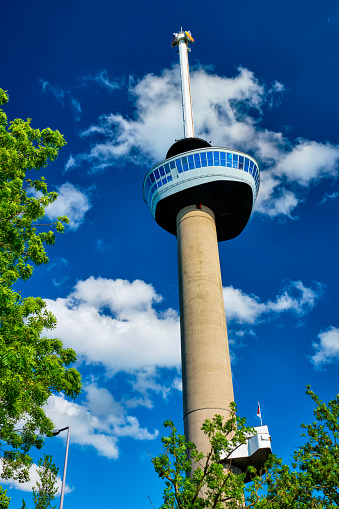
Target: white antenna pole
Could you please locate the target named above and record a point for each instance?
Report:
(182, 39)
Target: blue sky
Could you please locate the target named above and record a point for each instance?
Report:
(264, 79)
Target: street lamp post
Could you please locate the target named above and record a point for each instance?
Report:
(56, 432)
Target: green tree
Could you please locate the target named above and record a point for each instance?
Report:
(32, 367)
(44, 493)
(4, 499)
(311, 481)
(209, 484)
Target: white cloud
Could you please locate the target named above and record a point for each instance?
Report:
(145, 383)
(115, 323)
(158, 120)
(60, 282)
(327, 349)
(57, 263)
(100, 244)
(103, 80)
(62, 95)
(57, 92)
(242, 308)
(76, 106)
(34, 477)
(327, 196)
(308, 161)
(71, 162)
(98, 422)
(273, 199)
(227, 111)
(71, 202)
(177, 384)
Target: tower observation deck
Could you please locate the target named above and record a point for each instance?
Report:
(203, 195)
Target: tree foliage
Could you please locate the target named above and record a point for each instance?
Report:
(209, 484)
(32, 367)
(46, 489)
(310, 481)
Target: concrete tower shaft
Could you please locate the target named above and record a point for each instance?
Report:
(206, 370)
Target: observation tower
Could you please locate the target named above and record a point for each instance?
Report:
(203, 195)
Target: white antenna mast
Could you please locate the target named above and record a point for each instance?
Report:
(182, 39)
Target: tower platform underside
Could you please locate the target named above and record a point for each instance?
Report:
(230, 201)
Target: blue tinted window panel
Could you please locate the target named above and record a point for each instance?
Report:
(197, 160)
(210, 162)
(229, 160)
(185, 167)
(169, 178)
(203, 159)
(241, 166)
(172, 164)
(235, 158)
(167, 169)
(216, 158)
(190, 158)
(241, 159)
(222, 159)
(246, 168)
(156, 174)
(152, 178)
(164, 181)
(191, 166)
(155, 186)
(180, 170)
(210, 158)
(162, 171)
(184, 160)
(247, 161)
